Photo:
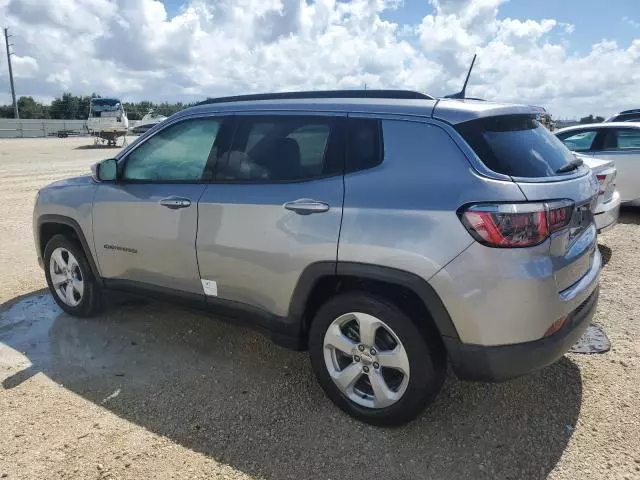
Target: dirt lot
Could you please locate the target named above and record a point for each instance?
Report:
(151, 391)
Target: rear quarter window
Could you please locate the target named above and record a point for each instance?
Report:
(516, 145)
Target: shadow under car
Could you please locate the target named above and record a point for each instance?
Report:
(231, 394)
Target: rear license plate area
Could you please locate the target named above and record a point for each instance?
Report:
(582, 219)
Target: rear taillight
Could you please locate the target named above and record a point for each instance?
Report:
(559, 214)
(601, 180)
(516, 224)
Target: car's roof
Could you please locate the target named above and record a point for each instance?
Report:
(589, 126)
(450, 110)
(422, 107)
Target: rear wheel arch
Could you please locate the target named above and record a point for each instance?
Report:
(50, 225)
(323, 280)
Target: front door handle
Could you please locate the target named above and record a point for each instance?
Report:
(175, 202)
(306, 206)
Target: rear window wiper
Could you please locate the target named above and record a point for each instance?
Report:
(572, 165)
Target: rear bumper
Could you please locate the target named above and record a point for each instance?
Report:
(606, 214)
(498, 363)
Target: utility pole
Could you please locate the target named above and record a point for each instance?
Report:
(13, 90)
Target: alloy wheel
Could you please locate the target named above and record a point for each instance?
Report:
(366, 360)
(66, 277)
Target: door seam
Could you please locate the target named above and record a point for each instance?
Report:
(195, 242)
(93, 233)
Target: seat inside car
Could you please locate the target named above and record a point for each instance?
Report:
(283, 159)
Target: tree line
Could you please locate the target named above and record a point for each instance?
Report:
(591, 119)
(72, 107)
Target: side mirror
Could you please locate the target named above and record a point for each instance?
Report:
(105, 171)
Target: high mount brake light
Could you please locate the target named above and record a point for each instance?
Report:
(517, 224)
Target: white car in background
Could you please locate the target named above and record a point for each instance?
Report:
(615, 142)
(609, 200)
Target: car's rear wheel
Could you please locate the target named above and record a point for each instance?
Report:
(373, 361)
(70, 278)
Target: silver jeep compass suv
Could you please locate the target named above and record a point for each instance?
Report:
(387, 232)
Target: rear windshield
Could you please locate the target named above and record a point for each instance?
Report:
(626, 117)
(516, 145)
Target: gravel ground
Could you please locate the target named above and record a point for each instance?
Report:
(148, 390)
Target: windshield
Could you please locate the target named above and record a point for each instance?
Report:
(516, 145)
(105, 105)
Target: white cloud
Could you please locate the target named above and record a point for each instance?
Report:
(631, 21)
(568, 27)
(132, 48)
(25, 67)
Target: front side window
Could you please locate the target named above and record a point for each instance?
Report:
(578, 141)
(177, 153)
(282, 148)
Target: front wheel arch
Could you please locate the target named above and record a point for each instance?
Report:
(50, 225)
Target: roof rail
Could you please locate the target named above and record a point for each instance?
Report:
(398, 94)
(633, 110)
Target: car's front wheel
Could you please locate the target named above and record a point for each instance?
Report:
(373, 361)
(70, 278)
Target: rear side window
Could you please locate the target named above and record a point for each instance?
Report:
(282, 148)
(578, 141)
(313, 143)
(629, 139)
(364, 144)
(516, 145)
(621, 139)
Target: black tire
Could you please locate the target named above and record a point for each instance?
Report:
(91, 301)
(427, 360)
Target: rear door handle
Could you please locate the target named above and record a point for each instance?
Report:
(306, 206)
(175, 202)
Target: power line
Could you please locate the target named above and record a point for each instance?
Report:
(13, 90)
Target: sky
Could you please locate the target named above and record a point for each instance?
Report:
(574, 57)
